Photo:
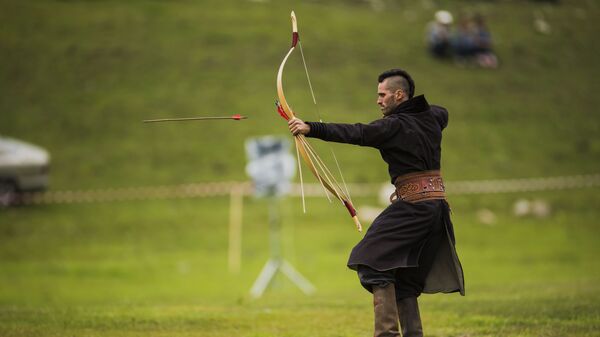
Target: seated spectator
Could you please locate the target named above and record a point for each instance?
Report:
(472, 43)
(463, 41)
(484, 54)
(438, 35)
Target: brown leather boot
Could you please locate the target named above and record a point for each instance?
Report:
(386, 313)
(410, 318)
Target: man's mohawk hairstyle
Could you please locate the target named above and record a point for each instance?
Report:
(401, 73)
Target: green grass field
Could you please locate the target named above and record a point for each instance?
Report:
(160, 268)
(79, 76)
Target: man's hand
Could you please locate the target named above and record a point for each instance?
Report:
(297, 126)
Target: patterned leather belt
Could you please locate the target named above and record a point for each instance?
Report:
(419, 186)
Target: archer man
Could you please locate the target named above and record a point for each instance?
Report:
(409, 248)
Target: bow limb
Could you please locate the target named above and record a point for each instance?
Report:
(282, 100)
(290, 114)
(306, 151)
(301, 143)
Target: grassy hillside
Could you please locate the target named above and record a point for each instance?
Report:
(79, 76)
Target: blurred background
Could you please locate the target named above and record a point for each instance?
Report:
(78, 77)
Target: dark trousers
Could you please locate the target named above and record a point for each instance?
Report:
(409, 281)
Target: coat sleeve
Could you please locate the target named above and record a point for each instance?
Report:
(373, 134)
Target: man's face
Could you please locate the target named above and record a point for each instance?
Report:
(387, 99)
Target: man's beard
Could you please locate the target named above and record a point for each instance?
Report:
(388, 109)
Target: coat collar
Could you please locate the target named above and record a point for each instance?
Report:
(414, 105)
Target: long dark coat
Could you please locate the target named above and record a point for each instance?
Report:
(409, 140)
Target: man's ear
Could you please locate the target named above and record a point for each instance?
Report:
(399, 95)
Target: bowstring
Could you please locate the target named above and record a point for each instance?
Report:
(337, 164)
(301, 181)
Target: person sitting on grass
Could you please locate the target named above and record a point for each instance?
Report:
(482, 37)
(438, 35)
(472, 43)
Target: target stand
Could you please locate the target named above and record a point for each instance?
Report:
(276, 263)
(271, 168)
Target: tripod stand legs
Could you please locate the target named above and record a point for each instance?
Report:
(268, 274)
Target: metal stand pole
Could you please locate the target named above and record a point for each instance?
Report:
(276, 262)
(236, 204)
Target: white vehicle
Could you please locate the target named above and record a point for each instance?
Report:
(23, 168)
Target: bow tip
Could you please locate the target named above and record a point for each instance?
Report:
(294, 22)
(357, 223)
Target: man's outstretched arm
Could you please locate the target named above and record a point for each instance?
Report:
(372, 134)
